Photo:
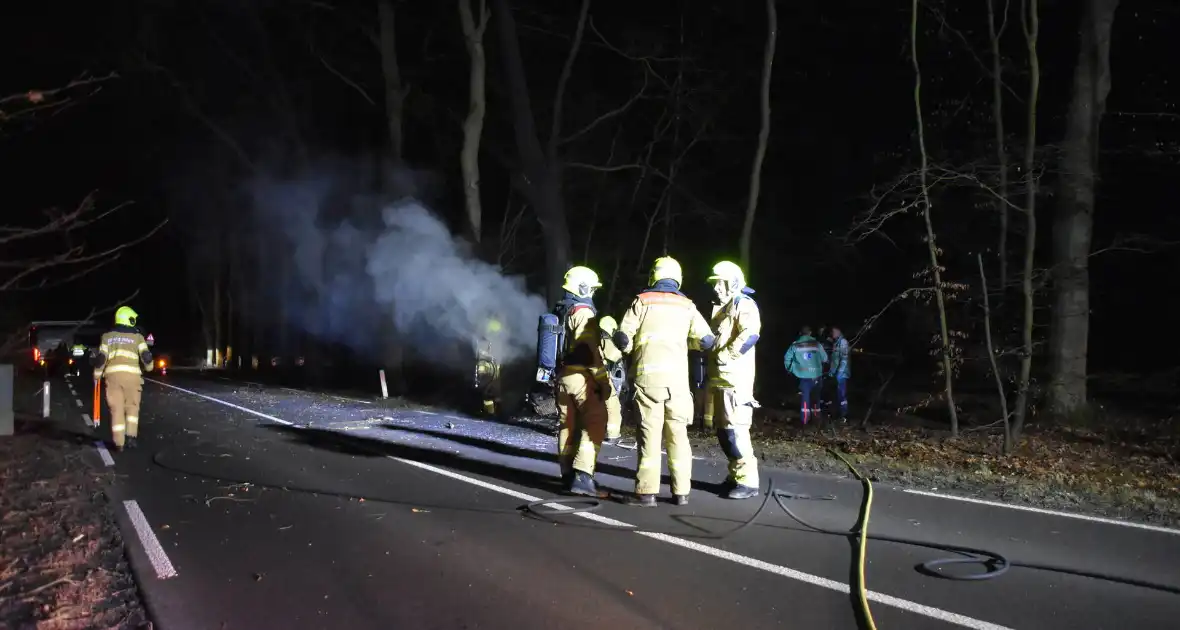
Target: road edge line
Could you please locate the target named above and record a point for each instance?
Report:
(753, 563)
(1036, 510)
(149, 542)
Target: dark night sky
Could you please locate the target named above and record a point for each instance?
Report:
(842, 86)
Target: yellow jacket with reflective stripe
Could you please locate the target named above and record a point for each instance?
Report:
(122, 349)
(583, 352)
(662, 328)
(734, 323)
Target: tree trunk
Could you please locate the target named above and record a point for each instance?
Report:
(395, 93)
(473, 32)
(541, 178)
(217, 339)
(763, 135)
(998, 123)
(931, 241)
(1031, 22)
(1073, 223)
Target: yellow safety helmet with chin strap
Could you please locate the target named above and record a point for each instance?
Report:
(581, 281)
(666, 268)
(729, 272)
(126, 316)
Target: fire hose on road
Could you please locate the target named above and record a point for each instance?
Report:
(995, 563)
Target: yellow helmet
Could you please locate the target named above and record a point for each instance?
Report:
(607, 325)
(126, 316)
(494, 326)
(581, 281)
(665, 268)
(728, 272)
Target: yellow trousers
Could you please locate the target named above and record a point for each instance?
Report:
(614, 415)
(582, 414)
(123, 393)
(731, 414)
(664, 413)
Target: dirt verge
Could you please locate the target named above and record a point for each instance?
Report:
(62, 561)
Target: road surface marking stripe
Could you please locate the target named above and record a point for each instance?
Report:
(104, 454)
(147, 538)
(1036, 510)
(78, 402)
(86, 420)
(217, 400)
(896, 602)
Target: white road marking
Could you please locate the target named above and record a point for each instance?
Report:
(217, 400)
(86, 420)
(1036, 510)
(78, 402)
(151, 544)
(840, 587)
(104, 454)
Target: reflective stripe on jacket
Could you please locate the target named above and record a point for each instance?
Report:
(122, 350)
(662, 327)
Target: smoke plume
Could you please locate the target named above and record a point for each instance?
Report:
(352, 279)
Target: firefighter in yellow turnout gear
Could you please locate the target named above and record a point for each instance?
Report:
(657, 332)
(583, 386)
(487, 366)
(730, 403)
(611, 356)
(120, 355)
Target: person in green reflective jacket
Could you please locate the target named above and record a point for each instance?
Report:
(805, 359)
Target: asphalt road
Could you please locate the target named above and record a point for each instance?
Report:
(242, 509)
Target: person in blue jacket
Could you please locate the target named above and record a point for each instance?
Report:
(805, 359)
(841, 369)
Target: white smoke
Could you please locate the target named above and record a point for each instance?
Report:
(436, 290)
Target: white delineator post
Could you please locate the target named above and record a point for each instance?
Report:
(384, 387)
(45, 400)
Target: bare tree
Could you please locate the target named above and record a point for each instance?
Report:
(473, 32)
(540, 178)
(1031, 23)
(763, 134)
(46, 249)
(1073, 223)
(395, 91)
(1001, 393)
(931, 243)
(995, 34)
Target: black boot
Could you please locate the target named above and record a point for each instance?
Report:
(742, 492)
(642, 500)
(680, 499)
(729, 484)
(583, 485)
(132, 441)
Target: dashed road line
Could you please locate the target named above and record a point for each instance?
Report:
(87, 420)
(754, 563)
(104, 454)
(147, 538)
(78, 402)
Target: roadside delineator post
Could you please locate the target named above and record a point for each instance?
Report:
(97, 401)
(45, 400)
(384, 387)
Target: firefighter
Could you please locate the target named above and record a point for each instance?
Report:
(487, 367)
(583, 386)
(657, 333)
(618, 376)
(119, 358)
(737, 323)
(805, 359)
(841, 370)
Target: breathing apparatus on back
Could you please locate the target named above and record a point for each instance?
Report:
(580, 285)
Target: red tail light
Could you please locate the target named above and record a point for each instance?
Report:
(36, 354)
